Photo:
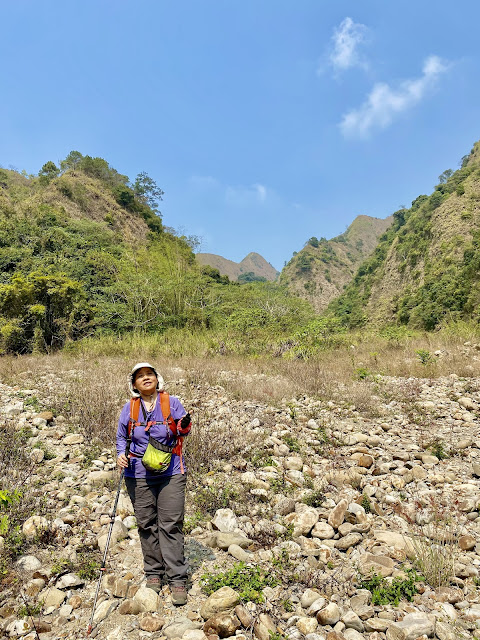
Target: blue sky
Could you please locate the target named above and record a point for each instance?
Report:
(266, 122)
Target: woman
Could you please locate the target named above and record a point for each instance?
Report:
(157, 491)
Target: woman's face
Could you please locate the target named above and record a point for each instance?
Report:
(145, 381)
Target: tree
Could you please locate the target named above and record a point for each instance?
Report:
(147, 190)
(443, 177)
(48, 172)
(72, 161)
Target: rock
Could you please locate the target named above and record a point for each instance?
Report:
(223, 624)
(428, 459)
(130, 607)
(352, 634)
(264, 627)
(194, 634)
(381, 565)
(37, 455)
(222, 600)
(99, 477)
(178, 627)
(125, 507)
(348, 541)
(392, 539)
(48, 416)
(411, 627)
(467, 403)
(74, 438)
(103, 610)
(33, 588)
(365, 461)
(29, 563)
(337, 515)
(68, 581)
(302, 522)
(244, 616)
(308, 598)
(352, 621)
(53, 597)
(151, 623)
(33, 526)
(224, 540)
(316, 606)
(323, 530)
(225, 520)
(147, 598)
(293, 462)
(467, 542)
(444, 631)
(330, 615)
(18, 628)
(119, 532)
(238, 553)
(283, 505)
(307, 625)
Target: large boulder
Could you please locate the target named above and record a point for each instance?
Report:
(221, 600)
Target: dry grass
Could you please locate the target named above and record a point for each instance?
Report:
(90, 388)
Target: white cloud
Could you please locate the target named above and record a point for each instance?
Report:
(384, 103)
(243, 196)
(346, 40)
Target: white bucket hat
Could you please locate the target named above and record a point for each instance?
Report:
(131, 376)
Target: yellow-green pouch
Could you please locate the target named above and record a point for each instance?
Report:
(157, 456)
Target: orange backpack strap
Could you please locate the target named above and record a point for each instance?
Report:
(165, 405)
(134, 412)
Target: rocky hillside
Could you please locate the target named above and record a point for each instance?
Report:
(314, 521)
(320, 271)
(426, 268)
(254, 264)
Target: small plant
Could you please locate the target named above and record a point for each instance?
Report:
(314, 499)
(193, 521)
(366, 504)
(280, 485)
(88, 564)
(275, 635)
(292, 443)
(287, 605)
(437, 448)
(32, 403)
(384, 592)
(330, 564)
(425, 357)
(48, 454)
(247, 580)
(28, 610)
(210, 498)
(62, 565)
(92, 453)
(292, 410)
(260, 459)
(362, 373)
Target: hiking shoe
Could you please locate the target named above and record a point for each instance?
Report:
(155, 583)
(179, 595)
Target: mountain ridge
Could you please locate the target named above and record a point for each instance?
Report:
(252, 263)
(319, 271)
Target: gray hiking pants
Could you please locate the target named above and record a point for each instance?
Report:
(159, 505)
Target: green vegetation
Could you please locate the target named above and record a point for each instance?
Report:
(439, 279)
(247, 580)
(83, 253)
(212, 497)
(391, 592)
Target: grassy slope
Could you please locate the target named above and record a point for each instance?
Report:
(425, 269)
(319, 273)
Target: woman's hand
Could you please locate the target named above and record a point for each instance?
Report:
(122, 461)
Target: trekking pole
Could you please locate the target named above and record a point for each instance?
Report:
(102, 568)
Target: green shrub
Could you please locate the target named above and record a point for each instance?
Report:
(391, 592)
(247, 580)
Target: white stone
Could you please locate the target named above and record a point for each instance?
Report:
(225, 520)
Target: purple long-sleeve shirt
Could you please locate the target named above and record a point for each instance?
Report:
(140, 438)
